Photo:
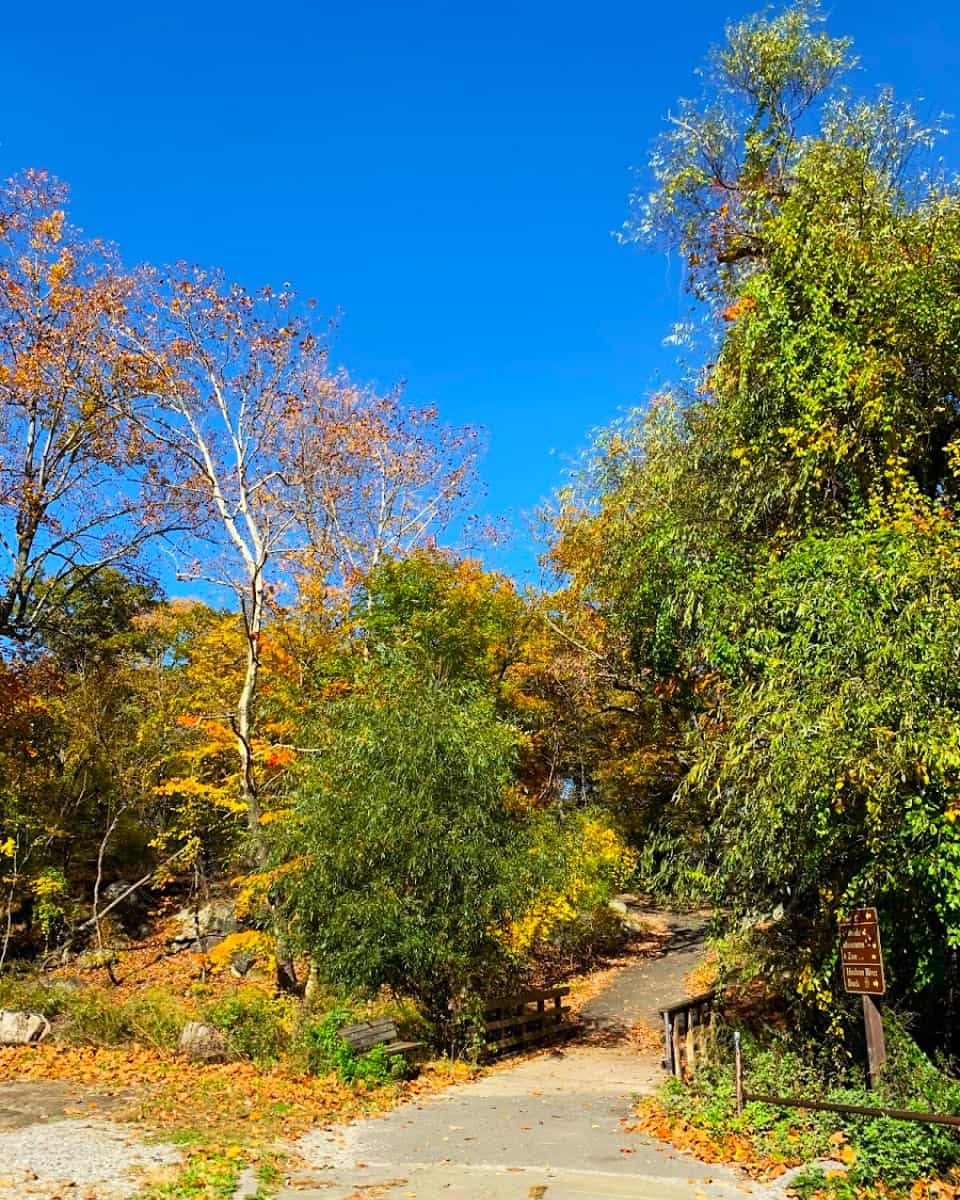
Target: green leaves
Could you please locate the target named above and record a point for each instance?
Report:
(411, 858)
(724, 166)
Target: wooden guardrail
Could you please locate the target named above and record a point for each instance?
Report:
(513, 1022)
(895, 1114)
(688, 1028)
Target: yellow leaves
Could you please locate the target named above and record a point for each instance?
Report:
(219, 795)
(249, 941)
(57, 274)
(252, 889)
(8, 849)
(596, 861)
(813, 988)
(274, 815)
(48, 229)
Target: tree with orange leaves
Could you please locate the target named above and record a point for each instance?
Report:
(380, 478)
(71, 461)
(273, 466)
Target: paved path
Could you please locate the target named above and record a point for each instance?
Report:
(548, 1128)
(638, 992)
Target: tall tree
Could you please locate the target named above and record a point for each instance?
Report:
(226, 387)
(71, 461)
(773, 546)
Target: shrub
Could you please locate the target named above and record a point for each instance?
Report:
(258, 1026)
(410, 859)
(326, 1051)
(586, 863)
(881, 1151)
(92, 1016)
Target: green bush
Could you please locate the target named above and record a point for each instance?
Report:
(92, 1016)
(257, 1025)
(326, 1051)
(411, 860)
(889, 1152)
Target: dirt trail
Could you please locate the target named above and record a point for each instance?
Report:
(549, 1127)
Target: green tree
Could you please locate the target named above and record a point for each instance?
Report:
(778, 548)
(410, 861)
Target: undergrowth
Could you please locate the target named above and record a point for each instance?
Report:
(260, 1027)
(874, 1155)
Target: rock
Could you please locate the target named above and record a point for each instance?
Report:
(204, 927)
(627, 907)
(204, 1043)
(782, 1187)
(242, 963)
(132, 912)
(21, 1028)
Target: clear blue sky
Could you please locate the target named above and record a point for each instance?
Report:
(445, 174)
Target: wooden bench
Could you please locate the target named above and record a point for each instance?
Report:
(367, 1034)
(524, 1019)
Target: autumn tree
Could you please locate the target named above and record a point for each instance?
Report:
(226, 384)
(71, 460)
(380, 477)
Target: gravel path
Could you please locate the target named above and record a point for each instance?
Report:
(46, 1154)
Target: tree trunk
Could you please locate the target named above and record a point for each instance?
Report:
(286, 978)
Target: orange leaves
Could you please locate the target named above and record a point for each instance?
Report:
(232, 1102)
(173, 1092)
(739, 308)
(727, 1147)
(278, 756)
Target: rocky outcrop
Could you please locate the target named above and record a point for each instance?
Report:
(131, 907)
(22, 1028)
(202, 928)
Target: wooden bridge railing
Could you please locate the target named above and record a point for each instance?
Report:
(688, 1028)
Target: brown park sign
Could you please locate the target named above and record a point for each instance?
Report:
(860, 954)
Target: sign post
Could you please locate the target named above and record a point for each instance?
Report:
(862, 963)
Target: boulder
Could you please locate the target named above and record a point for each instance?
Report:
(204, 1043)
(21, 1028)
(203, 927)
(132, 913)
(629, 909)
(242, 963)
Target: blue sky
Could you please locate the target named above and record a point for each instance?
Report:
(446, 176)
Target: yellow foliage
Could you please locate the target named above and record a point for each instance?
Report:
(252, 889)
(221, 796)
(248, 941)
(596, 862)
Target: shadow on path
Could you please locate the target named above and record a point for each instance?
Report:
(638, 992)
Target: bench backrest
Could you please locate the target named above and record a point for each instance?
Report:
(367, 1034)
